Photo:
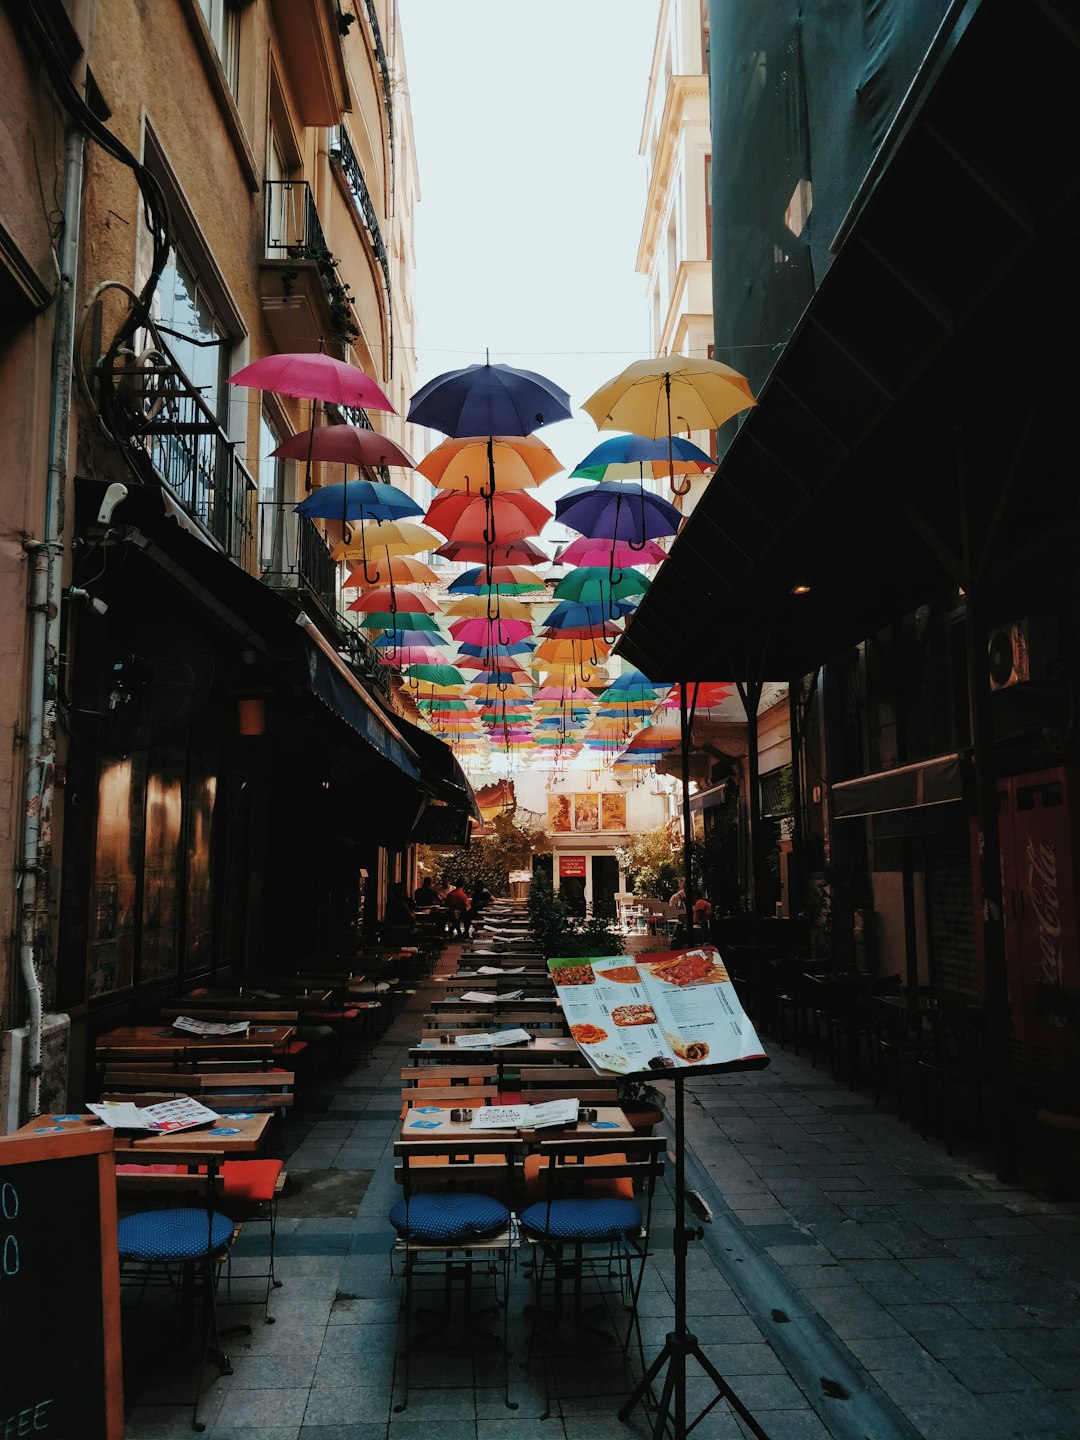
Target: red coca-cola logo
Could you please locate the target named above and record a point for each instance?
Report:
(1043, 892)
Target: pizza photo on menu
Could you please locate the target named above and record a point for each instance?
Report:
(633, 1015)
(691, 967)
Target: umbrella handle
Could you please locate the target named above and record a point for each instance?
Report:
(371, 579)
(680, 489)
(644, 540)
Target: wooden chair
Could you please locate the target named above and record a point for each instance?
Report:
(454, 1219)
(561, 1082)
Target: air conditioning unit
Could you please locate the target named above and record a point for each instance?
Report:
(1021, 652)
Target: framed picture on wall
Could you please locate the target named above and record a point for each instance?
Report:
(586, 812)
(559, 814)
(613, 811)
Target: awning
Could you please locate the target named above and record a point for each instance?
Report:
(927, 782)
(440, 769)
(951, 303)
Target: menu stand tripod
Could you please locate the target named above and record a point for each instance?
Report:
(681, 1344)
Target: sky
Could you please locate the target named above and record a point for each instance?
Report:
(528, 120)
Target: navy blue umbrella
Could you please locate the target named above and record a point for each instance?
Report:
(489, 400)
(617, 511)
(625, 456)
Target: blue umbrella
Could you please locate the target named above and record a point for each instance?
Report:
(399, 639)
(359, 500)
(617, 511)
(570, 615)
(623, 456)
(515, 647)
(489, 400)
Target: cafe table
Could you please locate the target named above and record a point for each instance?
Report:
(561, 1048)
(258, 1039)
(433, 1122)
(507, 1004)
(258, 997)
(232, 1135)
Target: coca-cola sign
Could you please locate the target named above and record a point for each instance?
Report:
(1043, 893)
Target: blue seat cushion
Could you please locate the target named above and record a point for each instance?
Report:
(453, 1216)
(180, 1234)
(601, 1219)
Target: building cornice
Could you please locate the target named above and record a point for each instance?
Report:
(682, 92)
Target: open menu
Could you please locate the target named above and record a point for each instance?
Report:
(210, 1027)
(648, 1013)
(486, 1039)
(180, 1113)
(525, 1117)
(489, 997)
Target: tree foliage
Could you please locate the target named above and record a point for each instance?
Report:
(653, 864)
(508, 845)
(559, 932)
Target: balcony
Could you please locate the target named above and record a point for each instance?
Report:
(304, 303)
(172, 438)
(293, 554)
(384, 70)
(310, 34)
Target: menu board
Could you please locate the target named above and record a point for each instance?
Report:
(669, 1010)
(59, 1288)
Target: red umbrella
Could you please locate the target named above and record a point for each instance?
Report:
(517, 552)
(495, 519)
(313, 376)
(347, 444)
(405, 602)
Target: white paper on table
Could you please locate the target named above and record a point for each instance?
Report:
(525, 1117)
(486, 1039)
(210, 1027)
(179, 1113)
(482, 997)
(500, 970)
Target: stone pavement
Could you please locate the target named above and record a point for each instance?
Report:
(852, 1282)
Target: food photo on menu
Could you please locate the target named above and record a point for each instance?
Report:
(662, 1011)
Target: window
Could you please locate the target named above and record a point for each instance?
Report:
(271, 494)
(197, 338)
(708, 207)
(223, 21)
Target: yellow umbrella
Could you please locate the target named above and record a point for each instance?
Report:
(509, 608)
(510, 692)
(385, 539)
(473, 462)
(397, 569)
(651, 397)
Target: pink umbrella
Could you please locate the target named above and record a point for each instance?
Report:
(475, 630)
(607, 552)
(404, 602)
(565, 692)
(347, 444)
(313, 376)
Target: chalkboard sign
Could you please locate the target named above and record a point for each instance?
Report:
(59, 1289)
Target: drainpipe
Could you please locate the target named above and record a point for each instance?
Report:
(46, 557)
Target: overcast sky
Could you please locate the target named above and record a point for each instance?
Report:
(528, 120)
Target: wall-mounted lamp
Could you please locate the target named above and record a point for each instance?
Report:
(800, 589)
(251, 717)
(77, 592)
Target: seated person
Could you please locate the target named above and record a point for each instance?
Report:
(426, 895)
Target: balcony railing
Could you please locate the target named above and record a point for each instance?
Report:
(384, 69)
(293, 228)
(293, 554)
(343, 152)
(172, 436)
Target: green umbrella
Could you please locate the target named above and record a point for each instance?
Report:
(389, 620)
(592, 583)
(436, 674)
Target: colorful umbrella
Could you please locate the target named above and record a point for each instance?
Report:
(387, 537)
(594, 553)
(405, 602)
(509, 608)
(633, 457)
(591, 584)
(391, 619)
(402, 639)
(489, 400)
(412, 655)
(494, 520)
(345, 444)
(516, 552)
(474, 462)
(313, 376)
(646, 396)
(436, 673)
(477, 630)
(395, 569)
(359, 500)
(509, 580)
(617, 511)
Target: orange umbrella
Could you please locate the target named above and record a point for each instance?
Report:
(480, 464)
(494, 520)
(401, 569)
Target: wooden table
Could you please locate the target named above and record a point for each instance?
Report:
(419, 1121)
(234, 1135)
(497, 1004)
(256, 998)
(539, 1049)
(262, 1038)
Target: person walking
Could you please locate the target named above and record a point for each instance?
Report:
(457, 910)
(480, 899)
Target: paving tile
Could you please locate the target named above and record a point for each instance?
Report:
(372, 1431)
(262, 1410)
(346, 1405)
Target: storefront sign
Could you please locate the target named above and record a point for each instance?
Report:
(572, 867)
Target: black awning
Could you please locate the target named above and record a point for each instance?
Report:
(909, 787)
(440, 769)
(950, 305)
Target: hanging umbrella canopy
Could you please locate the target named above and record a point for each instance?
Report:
(436, 673)
(397, 569)
(569, 693)
(344, 444)
(496, 520)
(479, 630)
(403, 655)
(524, 552)
(359, 500)
(391, 619)
(591, 584)
(492, 679)
(617, 511)
(633, 457)
(443, 704)
(398, 639)
(474, 463)
(405, 602)
(596, 553)
(486, 692)
(672, 392)
(313, 376)
(489, 400)
(506, 579)
(572, 615)
(703, 694)
(482, 605)
(630, 679)
(386, 538)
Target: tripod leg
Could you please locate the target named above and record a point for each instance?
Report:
(644, 1386)
(725, 1393)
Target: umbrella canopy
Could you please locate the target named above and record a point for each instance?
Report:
(386, 538)
(436, 673)
(478, 630)
(507, 579)
(411, 655)
(397, 569)
(492, 679)
(486, 692)
(515, 552)
(702, 694)
(494, 653)
(475, 463)
(313, 376)
(405, 602)
(592, 584)
(496, 520)
(617, 511)
(346, 444)
(632, 457)
(571, 615)
(402, 639)
(489, 400)
(485, 603)
(359, 500)
(649, 395)
(391, 619)
(594, 553)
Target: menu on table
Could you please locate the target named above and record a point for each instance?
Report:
(487, 1039)
(180, 1113)
(665, 1010)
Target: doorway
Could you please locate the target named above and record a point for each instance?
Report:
(605, 885)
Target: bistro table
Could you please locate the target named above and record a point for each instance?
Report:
(241, 1134)
(536, 1051)
(259, 1039)
(433, 1122)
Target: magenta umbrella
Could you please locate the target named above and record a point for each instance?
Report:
(610, 553)
(313, 376)
(412, 655)
(476, 630)
(346, 444)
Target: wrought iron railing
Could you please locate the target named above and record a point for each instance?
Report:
(384, 69)
(343, 152)
(171, 435)
(357, 415)
(365, 660)
(293, 226)
(293, 553)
